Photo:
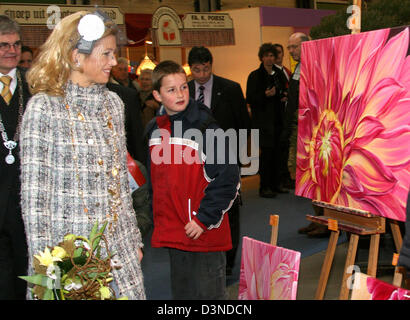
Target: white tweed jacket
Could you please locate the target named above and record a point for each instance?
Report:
(51, 203)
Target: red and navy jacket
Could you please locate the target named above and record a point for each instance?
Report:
(187, 184)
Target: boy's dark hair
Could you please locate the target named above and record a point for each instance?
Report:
(163, 69)
(266, 48)
(199, 55)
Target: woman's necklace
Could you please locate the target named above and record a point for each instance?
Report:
(11, 144)
(113, 173)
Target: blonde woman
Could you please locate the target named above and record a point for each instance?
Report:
(73, 148)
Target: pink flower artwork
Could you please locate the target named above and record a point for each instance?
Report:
(268, 272)
(353, 145)
(380, 290)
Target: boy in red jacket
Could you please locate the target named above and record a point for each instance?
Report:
(194, 183)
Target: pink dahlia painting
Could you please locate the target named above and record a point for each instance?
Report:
(268, 272)
(380, 290)
(369, 288)
(353, 146)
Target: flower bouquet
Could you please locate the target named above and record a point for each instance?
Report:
(74, 269)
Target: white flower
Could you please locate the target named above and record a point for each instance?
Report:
(79, 243)
(51, 271)
(72, 286)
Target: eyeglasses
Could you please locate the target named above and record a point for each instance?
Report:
(5, 46)
(293, 46)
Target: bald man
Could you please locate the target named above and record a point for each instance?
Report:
(313, 230)
(291, 115)
(294, 47)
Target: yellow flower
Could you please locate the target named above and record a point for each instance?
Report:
(105, 293)
(59, 252)
(45, 258)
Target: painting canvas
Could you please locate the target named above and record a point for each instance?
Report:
(353, 145)
(268, 272)
(369, 288)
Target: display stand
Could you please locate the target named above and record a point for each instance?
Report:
(357, 223)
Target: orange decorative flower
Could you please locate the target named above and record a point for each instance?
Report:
(354, 122)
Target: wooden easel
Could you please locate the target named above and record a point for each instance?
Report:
(357, 223)
(274, 222)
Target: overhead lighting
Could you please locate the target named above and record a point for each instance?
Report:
(187, 69)
(146, 63)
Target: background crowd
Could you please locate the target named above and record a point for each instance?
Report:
(270, 104)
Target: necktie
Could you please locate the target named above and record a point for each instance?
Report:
(201, 97)
(6, 93)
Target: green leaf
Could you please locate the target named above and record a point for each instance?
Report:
(93, 231)
(77, 252)
(103, 227)
(94, 275)
(48, 294)
(95, 240)
(98, 254)
(38, 279)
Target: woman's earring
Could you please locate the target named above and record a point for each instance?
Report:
(77, 64)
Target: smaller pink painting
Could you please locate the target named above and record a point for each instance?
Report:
(268, 272)
(380, 290)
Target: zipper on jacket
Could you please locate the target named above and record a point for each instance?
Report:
(189, 210)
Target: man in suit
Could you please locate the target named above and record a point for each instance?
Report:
(14, 97)
(284, 75)
(120, 75)
(136, 144)
(294, 47)
(313, 230)
(225, 99)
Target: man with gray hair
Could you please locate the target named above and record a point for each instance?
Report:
(120, 75)
(295, 48)
(14, 96)
(291, 113)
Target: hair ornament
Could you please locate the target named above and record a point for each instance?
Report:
(91, 28)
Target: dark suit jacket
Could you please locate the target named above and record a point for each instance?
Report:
(10, 173)
(228, 105)
(292, 106)
(404, 257)
(133, 121)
